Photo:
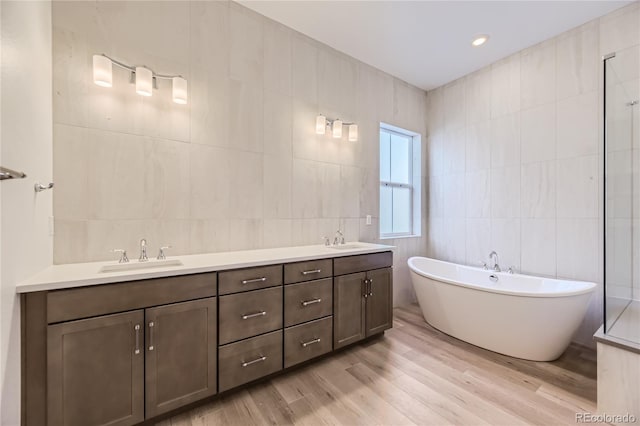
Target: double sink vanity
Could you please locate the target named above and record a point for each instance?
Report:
(118, 345)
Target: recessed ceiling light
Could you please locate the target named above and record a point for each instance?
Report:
(480, 40)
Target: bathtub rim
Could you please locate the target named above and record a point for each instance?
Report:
(589, 287)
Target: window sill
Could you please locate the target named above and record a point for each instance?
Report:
(397, 237)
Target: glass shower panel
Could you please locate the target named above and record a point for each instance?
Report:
(622, 190)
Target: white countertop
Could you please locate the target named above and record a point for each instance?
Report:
(71, 275)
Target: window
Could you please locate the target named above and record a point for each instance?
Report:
(399, 182)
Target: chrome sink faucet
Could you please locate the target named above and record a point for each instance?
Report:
(143, 251)
(494, 256)
(337, 240)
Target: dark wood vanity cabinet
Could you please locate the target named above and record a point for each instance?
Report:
(96, 371)
(120, 354)
(180, 344)
(363, 297)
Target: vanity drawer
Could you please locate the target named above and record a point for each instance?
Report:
(360, 263)
(249, 314)
(250, 359)
(249, 279)
(306, 271)
(307, 341)
(308, 301)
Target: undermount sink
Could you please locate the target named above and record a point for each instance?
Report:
(135, 265)
(348, 246)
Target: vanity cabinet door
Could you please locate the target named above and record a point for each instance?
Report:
(379, 301)
(348, 309)
(96, 371)
(180, 345)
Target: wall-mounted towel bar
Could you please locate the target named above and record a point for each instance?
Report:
(10, 174)
(40, 187)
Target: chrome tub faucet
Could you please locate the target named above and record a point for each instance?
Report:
(494, 256)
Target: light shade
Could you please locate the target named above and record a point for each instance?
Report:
(479, 40)
(336, 129)
(102, 73)
(321, 124)
(179, 90)
(353, 132)
(144, 81)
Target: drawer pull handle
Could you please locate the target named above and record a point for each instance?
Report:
(248, 363)
(254, 280)
(137, 329)
(315, 271)
(151, 324)
(257, 314)
(310, 302)
(310, 342)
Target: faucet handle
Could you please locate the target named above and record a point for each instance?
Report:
(511, 270)
(483, 264)
(326, 241)
(123, 255)
(161, 255)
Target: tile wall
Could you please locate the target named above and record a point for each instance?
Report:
(515, 158)
(240, 166)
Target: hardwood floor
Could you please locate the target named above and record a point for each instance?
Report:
(413, 375)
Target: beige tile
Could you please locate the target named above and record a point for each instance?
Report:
(117, 181)
(71, 66)
(538, 190)
(453, 157)
(505, 240)
(478, 194)
(577, 248)
(304, 69)
(277, 180)
(70, 242)
(454, 195)
(505, 141)
(167, 180)
(246, 185)
(304, 138)
(577, 186)
(505, 86)
(245, 234)
(478, 146)
(246, 46)
(539, 247)
(306, 190)
(538, 134)
(478, 241)
(577, 128)
(454, 105)
(538, 75)
(577, 63)
(505, 192)
(620, 30)
(209, 236)
(71, 171)
(277, 58)
(277, 124)
(350, 187)
(478, 96)
(245, 117)
(277, 233)
(210, 192)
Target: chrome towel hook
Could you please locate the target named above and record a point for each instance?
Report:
(38, 187)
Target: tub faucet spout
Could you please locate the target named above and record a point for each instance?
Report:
(494, 256)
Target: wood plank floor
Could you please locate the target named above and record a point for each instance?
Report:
(413, 375)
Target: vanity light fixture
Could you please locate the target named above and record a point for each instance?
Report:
(336, 125)
(144, 78)
(479, 40)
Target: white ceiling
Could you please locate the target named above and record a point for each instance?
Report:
(428, 43)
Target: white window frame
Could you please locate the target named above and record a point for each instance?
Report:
(413, 164)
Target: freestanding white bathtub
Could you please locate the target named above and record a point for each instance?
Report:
(518, 315)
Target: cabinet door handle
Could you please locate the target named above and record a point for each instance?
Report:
(370, 287)
(137, 329)
(310, 342)
(315, 271)
(366, 287)
(257, 314)
(306, 303)
(248, 363)
(254, 280)
(151, 325)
